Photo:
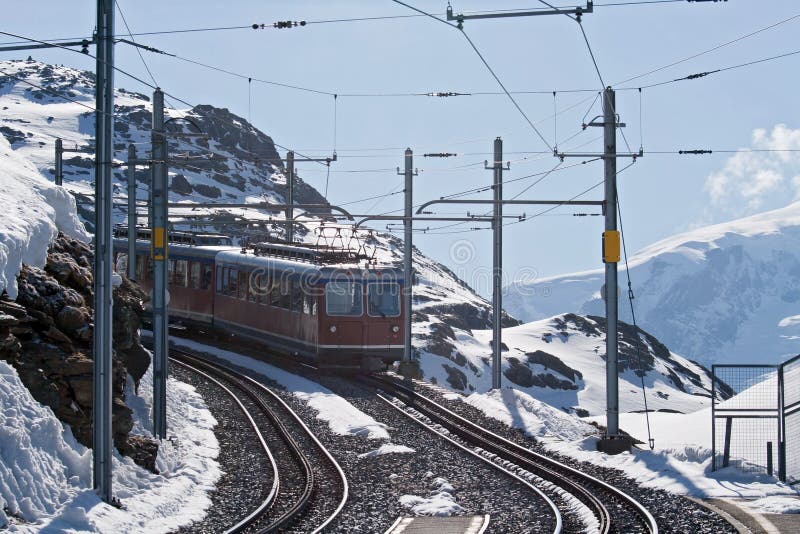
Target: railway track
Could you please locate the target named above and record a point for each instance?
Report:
(613, 510)
(309, 488)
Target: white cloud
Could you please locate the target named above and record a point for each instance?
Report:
(753, 181)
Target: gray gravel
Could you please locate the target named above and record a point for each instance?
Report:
(376, 484)
(673, 513)
(246, 471)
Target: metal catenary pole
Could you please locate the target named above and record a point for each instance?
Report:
(159, 253)
(103, 257)
(131, 212)
(610, 160)
(497, 266)
(59, 177)
(290, 195)
(408, 270)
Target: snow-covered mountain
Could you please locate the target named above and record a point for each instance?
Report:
(450, 319)
(728, 293)
(234, 163)
(561, 361)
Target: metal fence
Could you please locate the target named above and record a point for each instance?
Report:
(756, 427)
(789, 380)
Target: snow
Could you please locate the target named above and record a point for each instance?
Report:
(46, 475)
(724, 292)
(342, 417)
(439, 502)
(680, 462)
(34, 210)
(518, 409)
(387, 448)
(776, 505)
(579, 351)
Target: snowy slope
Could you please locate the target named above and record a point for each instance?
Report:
(727, 293)
(235, 163)
(45, 474)
(34, 210)
(561, 361)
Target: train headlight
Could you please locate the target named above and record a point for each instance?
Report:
(395, 329)
(333, 329)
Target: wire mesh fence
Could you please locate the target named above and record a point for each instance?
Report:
(789, 374)
(756, 425)
(745, 429)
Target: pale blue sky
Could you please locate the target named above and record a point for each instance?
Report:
(660, 195)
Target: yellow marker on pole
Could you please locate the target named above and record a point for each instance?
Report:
(611, 247)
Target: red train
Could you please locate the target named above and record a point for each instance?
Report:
(312, 302)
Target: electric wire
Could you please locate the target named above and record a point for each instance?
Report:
(717, 47)
(138, 50)
(650, 439)
(488, 67)
(714, 71)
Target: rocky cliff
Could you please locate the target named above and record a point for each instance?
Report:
(46, 335)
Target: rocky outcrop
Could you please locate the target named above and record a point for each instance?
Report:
(47, 336)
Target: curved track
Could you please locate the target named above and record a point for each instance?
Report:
(304, 472)
(614, 510)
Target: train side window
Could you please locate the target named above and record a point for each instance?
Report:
(253, 285)
(264, 289)
(194, 274)
(179, 275)
(344, 298)
(285, 296)
(205, 282)
(222, 280)
(297, 296)
(275, 293)
(383, 299)
(233, 282)
(244, 279)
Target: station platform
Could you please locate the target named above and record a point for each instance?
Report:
(474, 524)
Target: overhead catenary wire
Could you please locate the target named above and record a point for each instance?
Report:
(631, 296)
(709, 50)
(268, 26)
(488, 67)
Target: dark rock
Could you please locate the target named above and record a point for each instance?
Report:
(180, 185)
(455, 377)
(552, 362)
(46, 335)
(71, 319)
(7, 320)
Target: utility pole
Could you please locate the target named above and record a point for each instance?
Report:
(103, 253)
(59, 177)
(497, 265)
(610, 258)
(290, 159)
(290, 196)
(409, 368)
(159, 253)
(613, 442)
(131, 212)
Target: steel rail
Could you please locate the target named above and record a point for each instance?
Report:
(517, 451)
(337, 467)
(553, 507)
(294, 448)
(270, 498)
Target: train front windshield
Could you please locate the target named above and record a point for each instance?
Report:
(343, 298)
(383, 299)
